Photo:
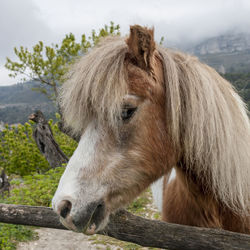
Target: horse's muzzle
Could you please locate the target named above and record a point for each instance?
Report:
(86, 220)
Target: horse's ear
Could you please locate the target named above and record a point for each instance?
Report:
(141, 46)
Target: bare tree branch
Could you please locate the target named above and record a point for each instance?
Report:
(40, 79)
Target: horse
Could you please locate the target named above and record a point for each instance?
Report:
(143, 111)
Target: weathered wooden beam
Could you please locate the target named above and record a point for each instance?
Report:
(128, 227)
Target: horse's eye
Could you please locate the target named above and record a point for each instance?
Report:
(127, 113)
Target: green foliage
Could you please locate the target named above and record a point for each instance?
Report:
(11, 234)
(35, 190)
(242, 84)
(66, 143)
(162, 40)
(19, 153)
(139, 204)
(48, 64)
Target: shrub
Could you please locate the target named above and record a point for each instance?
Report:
(35, 190)
(11, 234)
(18, 151)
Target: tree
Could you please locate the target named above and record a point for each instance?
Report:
(48, 64)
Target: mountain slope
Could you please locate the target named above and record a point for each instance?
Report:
(18, 101)
(21, 93)
(227, 53)
(228, 43)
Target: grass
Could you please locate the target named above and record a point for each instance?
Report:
(10, 235)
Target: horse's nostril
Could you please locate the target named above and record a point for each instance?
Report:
(64, 208)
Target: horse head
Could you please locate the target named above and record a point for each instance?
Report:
(115, 97)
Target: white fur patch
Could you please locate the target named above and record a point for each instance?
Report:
(172, 175)
(80, 162)
(129, 96)
(157, 189)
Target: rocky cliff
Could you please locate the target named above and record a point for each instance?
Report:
(229, 43)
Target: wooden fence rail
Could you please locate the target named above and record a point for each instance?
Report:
(126, 226)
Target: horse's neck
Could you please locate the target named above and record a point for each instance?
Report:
(192, 182)
(195, 198)
(196, 188)
(199, 201)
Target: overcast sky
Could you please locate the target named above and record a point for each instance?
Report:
(24, 22)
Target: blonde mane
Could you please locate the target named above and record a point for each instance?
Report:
(207, 120)
(209, 123)
(96, 86)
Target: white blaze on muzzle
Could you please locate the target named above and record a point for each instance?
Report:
(74, 183)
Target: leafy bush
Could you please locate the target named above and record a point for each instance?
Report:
(66, 143)
(19, 153)
(35, 184)
(11, 234)
(35, 190)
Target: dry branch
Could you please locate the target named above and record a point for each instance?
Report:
(45, 141)
(126, 226)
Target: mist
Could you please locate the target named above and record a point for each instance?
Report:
(182, 23)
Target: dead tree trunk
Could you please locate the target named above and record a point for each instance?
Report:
(126, 226)
(45, 141)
